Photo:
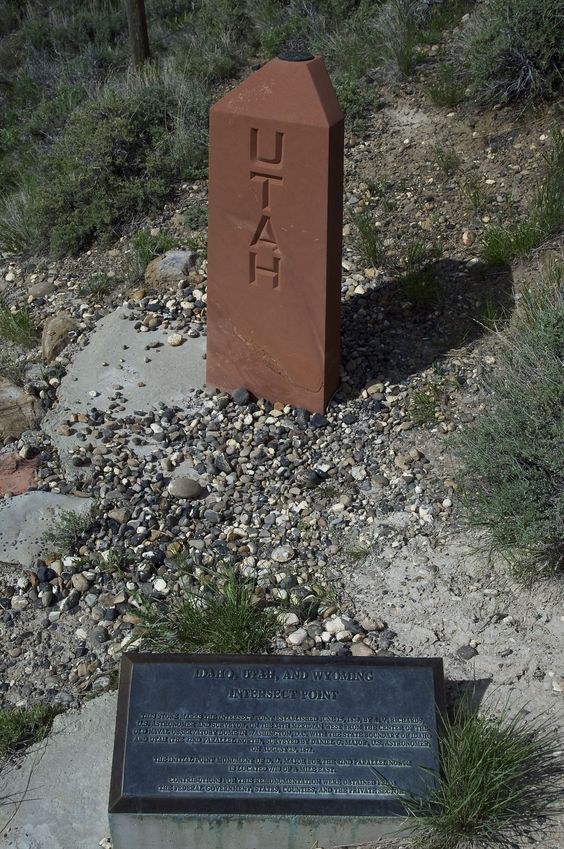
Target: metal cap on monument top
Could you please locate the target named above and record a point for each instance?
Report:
(275, 235)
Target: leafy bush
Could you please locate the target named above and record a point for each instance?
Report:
(499, 774)
(513, 485)
(513, 49)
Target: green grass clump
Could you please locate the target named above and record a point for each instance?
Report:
(20, 727)
(399, 27)
(17, 224)
(367, 239)
(476, 195)
(12, 367)
(146, 247)
(513, 51)
(16, 326)
(99, 285)
(512, 479)
(221, 618)
(499, 774)
(67, 532)
(502, 244)
(447, 87)
(546, 216)
(446, 158)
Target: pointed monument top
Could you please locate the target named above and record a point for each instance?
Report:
(288, 90)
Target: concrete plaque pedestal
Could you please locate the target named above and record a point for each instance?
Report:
(154, 831)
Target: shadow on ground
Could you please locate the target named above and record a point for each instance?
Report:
(411, 321)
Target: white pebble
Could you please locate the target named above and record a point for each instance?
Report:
(297, 638)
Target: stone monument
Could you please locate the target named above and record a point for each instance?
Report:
(275, 235)
(249, 752)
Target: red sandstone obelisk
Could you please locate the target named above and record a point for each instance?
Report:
(274, 237)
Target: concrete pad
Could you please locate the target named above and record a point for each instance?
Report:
(25, 518)
(59, 791)
(169, 376)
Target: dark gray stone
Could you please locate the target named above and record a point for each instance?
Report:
(466, 652)
(241, 396)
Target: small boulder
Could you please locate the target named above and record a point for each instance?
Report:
(361, 650)
(171, 267)
(297, 637)
(40, 289)
(283, 553)
(241, 396)
(56, 335)
(185, 488)
(466, 652)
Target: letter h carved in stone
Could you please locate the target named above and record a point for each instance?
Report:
(267, 153)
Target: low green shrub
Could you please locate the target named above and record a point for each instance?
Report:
(447, 87)
(196, 216)
(118, 157)
(513, 50)
(499, 774)
(446, 158)
(443, 16)
(66, 532)
(215, 41)
(511, 476)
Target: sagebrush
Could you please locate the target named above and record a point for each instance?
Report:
(512, 475)
(513, 50)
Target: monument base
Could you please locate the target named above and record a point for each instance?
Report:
(189, 831)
